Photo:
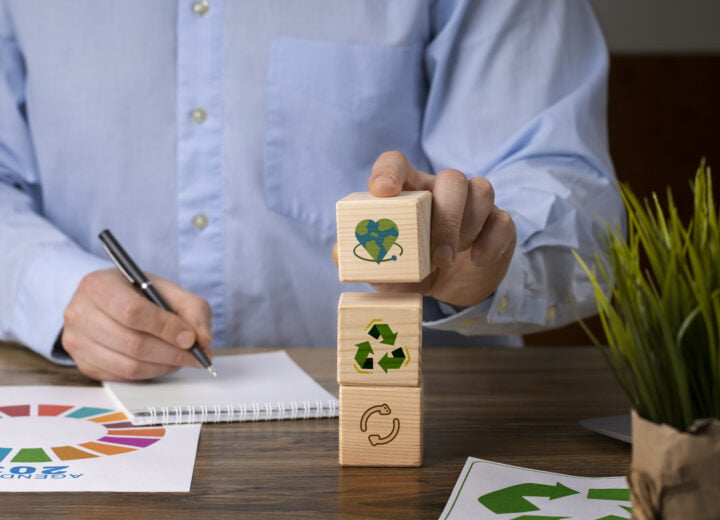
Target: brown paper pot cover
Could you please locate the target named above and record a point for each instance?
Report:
(674, 474)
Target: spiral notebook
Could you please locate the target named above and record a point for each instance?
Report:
(249, 387)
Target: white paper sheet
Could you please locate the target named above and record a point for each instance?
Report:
(58, 438)
(249, 387)
(493, 491)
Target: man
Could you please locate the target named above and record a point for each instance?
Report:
(214, 137)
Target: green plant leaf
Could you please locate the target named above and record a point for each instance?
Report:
(658, 297)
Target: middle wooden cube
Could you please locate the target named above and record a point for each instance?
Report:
(379, 339)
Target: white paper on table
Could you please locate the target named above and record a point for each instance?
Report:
(581, 498)
(249, 387)
(59, 438)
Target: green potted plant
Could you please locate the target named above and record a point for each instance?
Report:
(661, 318)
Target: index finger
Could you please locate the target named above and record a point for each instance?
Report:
(393, 173)
(190, 307)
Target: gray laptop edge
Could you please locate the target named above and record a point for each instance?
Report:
(615, 426)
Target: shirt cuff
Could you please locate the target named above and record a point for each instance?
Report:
(511, 309)
(47, 286)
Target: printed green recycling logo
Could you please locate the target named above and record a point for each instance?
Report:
(512, 499)
(383, 337)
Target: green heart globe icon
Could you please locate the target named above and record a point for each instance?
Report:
(377, 238)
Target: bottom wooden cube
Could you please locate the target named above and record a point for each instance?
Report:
(380, 426)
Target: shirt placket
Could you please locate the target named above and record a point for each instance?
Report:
(199, 155)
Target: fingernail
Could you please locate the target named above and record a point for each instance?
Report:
(444, 256)
(185, 339)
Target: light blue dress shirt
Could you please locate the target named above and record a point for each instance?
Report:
(214, 139)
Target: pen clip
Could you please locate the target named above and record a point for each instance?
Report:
(118, 264)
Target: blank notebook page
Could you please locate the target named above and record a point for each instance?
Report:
(267, 385)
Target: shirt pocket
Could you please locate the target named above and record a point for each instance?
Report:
(331, 109)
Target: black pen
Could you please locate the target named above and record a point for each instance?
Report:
(138, 279)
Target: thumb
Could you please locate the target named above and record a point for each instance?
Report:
(393, 173)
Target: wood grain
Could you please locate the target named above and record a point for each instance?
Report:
(514, 406)
(411, 212)
(390, 437)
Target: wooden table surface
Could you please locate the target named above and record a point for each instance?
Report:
(515, 406)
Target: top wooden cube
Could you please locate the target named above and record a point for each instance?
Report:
(384, 239)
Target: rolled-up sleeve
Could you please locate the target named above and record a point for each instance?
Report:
(518, 95)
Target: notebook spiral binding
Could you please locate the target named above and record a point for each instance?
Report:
(228, 412)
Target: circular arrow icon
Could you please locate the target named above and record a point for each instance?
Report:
(375, 439)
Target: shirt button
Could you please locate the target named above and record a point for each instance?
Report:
(200, 221)
(502, 305)
(201, 7)
(198, 115)
(551, 313)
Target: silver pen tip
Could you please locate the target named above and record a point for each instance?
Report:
(212, 370)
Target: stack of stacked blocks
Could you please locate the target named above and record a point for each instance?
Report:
(381, 240)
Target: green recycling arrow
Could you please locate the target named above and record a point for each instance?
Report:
(511, 499)
(361, 356)
(388, 363)
(384, 330)
(609, 494)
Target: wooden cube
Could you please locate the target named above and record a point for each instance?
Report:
(380, 426)
(379, 339)
(384, 239)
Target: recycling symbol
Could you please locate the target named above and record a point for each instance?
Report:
(383, 337)
(513, 499)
